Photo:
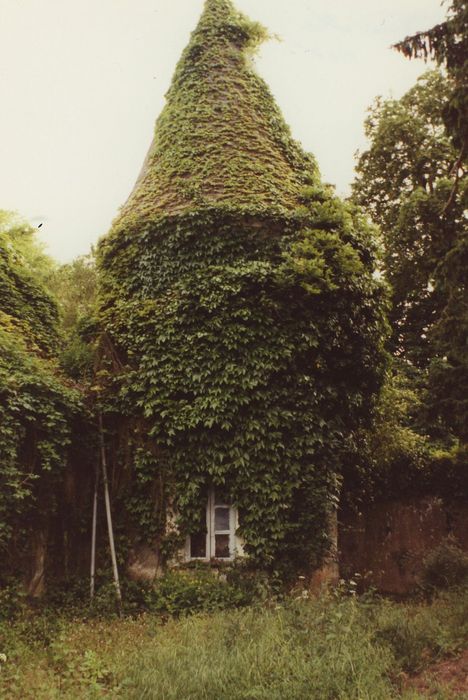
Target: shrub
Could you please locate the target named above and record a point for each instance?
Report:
(445, 566)
(183, 592)
(12, 598)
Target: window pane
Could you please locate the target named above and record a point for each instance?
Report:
(198, 545)
(220, 498)
(221, 519)
(222, 546)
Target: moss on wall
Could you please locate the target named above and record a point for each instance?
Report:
(221, 139)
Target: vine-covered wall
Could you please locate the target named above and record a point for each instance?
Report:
(39, 414)
(242, 322)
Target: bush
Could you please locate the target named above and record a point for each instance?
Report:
(445, 566)
(187, 591)
(12, 598)
(197, 590)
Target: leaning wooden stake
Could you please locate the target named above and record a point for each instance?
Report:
(93, 537)
(108, 514)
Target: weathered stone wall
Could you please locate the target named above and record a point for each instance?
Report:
(386, 543)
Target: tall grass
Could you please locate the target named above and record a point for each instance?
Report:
(337, 647)
(303, 651)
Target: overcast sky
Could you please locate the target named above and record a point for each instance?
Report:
(82, 82)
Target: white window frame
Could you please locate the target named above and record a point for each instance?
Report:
(211, 532)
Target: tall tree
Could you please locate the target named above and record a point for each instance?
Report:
(447, 43)
(403, 181)
(412, 180)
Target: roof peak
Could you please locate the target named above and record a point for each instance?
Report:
(220, 140)
(221, 20)
(216, 13)
(219, 5)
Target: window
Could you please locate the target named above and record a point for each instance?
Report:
(217, 539)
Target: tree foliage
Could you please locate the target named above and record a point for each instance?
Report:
(29, 250)
(447, 44)
(405, 180)
(37, 407)
(23, 265)
(74, 286)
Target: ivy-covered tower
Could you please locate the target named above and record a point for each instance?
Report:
(242, 324)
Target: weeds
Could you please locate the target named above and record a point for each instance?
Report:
(339, 647)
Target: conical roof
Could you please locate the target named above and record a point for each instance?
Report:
(220, 140)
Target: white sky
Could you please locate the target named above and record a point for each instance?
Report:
(82, 82)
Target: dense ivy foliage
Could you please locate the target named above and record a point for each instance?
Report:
(37, 407)
(220, 139)
(36, 410)
(242, 322)
(23, 297)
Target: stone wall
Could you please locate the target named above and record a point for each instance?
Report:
(386, 543)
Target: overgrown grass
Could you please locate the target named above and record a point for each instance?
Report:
(337, 647)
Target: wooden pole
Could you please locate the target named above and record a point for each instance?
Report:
(109, 515)
(93, 536)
